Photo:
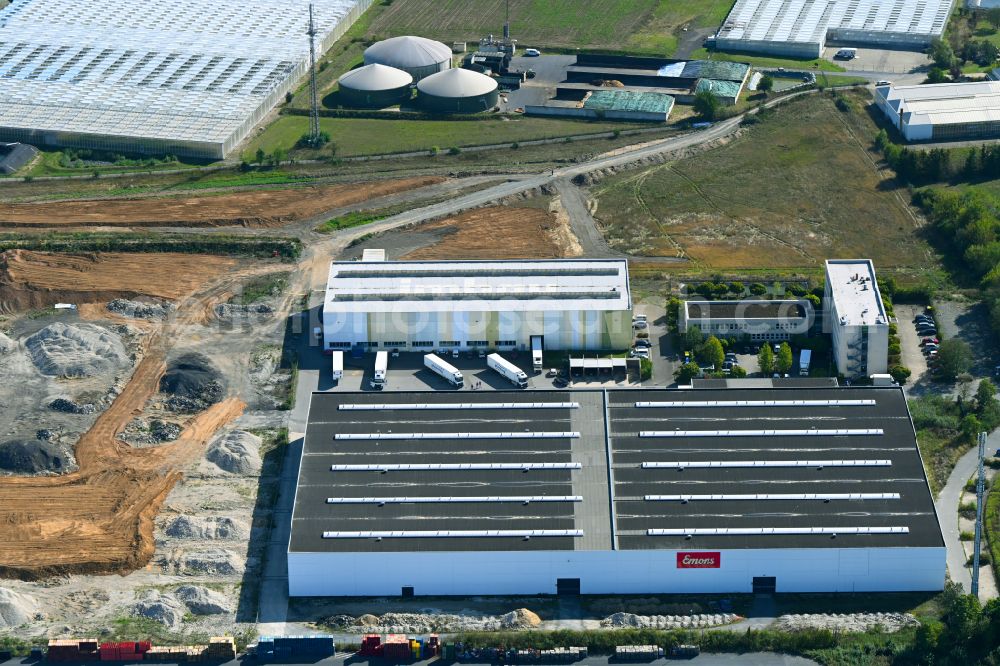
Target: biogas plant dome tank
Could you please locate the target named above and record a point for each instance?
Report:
(416, 56)
(457, 91)
(376, 86)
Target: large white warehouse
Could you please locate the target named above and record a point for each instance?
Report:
(612, 492)
(185, 77)
(855, 318)
(802, 29)
(942, 111)
(425, 305)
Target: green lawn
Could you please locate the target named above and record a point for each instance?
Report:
(796, 188)
(818, 64)
(639, 26)
(365, 136)
(49, 164)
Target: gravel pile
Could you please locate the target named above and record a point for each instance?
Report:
(192, 382)
(188, 527)
(32, 457)
(140, 432)
(417, 623)
(163, 608)
(852, 622)
(231, 310)
(140, 310)
(237, 452)
(202, 601)
(15, 608)
(213, 561)
(68, 406)
(76, 350)
(630, 620)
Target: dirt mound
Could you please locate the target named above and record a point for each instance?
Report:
(76, 350)
(187, 527)
(237, 452)
(851, 622)
(15, 609)
(139, 309)
(20, 457)
(193, 383)
(258, 208)
(522, 618)
(212, 562)
(41, 279)
(163, 608)
(202, 601)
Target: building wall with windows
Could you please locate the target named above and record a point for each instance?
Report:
(943, 111)
(761, 320)
(855, 318)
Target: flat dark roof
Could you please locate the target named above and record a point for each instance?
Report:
(747, 309)
(609, 426)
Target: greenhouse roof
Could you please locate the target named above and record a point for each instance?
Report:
(625, 100)
(718, 88)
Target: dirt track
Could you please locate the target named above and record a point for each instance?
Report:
(40, 279)
(498, 233)
(260, 208)
(100, 518)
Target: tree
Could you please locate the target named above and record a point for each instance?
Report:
(711, 353)
(693, 338)
(738, 372)
(954, 358)
(766, 360)
(260, 156)
(993, 17)
(758, 289)
(686, 373)
(706, 105)
(783, 363)
(986, 395)
(937, 75)
(942, 54)
(900, 373)
(766, 83)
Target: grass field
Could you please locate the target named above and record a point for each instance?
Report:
(365, 136)
(639, 26)
(817, 64)
(796, 188)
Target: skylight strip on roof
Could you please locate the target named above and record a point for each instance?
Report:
(456, 435)
(453, 534)
(765, 463)
(354, 407)
(521, 499)
(773, 496)
(742, 531)
(812, 432)
(757, 403)
(414, 467)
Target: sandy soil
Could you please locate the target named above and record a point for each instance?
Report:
(496, 233)
(40, 279)
(259, 208)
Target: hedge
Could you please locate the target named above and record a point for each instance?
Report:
(285, 248)
(393, 115)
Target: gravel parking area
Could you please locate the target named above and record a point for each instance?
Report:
(912, 355)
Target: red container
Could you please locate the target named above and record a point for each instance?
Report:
(143, 646)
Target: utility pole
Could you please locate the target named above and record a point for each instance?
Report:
(314, 139)
(506, 25)
(980, 491)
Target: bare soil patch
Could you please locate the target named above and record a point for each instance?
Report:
(498, 233)
(258, 208)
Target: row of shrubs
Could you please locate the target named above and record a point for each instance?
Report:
(284, 248)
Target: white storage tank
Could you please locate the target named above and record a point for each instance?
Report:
(458, 91)
(375, 86)
(416, 56)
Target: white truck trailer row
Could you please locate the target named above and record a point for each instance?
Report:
(507, 370)
(441, 367)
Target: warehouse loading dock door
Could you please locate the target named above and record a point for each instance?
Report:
(568, 586)
(765, 584)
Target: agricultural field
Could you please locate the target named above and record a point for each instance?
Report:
(795, 188)
(366, 136)
(638, 26)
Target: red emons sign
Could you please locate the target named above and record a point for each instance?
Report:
(699, 560)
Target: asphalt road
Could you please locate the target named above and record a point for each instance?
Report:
(946, 507)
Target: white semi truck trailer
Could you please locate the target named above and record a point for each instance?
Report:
(439, 366)
(381, 369)
(508, 370)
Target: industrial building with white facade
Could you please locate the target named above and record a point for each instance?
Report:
(613, 492)
(758, 319)
(426, 305)
(942, 111)
(188, 78)
(803, 29)
(855, 318)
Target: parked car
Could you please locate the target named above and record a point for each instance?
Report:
(643, 342)
(640, 325)
(532, 53)
(553, 372)
(482, 353)
(928, 341)
(454, 353)
(731, 357)
(727, 366)
(560, 382)
(930, 348)
(879, 84)
(641, 352)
